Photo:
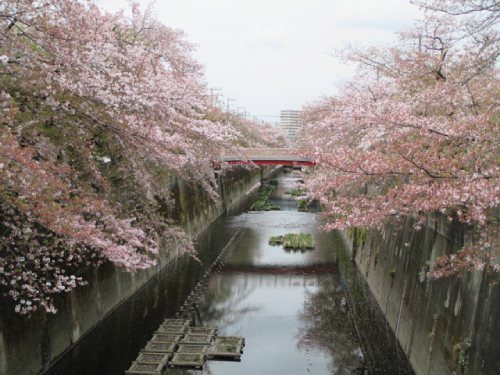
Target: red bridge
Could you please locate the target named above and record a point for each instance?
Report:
(269, 156)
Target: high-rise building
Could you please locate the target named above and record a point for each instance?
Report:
(290, 124)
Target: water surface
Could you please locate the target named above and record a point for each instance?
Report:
(288, 305)
(300, 312)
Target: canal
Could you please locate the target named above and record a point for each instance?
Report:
(301, 312)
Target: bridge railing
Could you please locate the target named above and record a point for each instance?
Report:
(269, 156)
(255, 154)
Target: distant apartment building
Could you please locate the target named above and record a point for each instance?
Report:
(290, 124)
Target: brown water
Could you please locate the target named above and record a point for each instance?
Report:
(297, 310)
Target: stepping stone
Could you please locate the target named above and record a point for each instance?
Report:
(197, 339)
(160, 347)
(145, 369)
(226, 351)
(166, 337)
(227, 347)
(173, 330)
(187, 360)
(234, 340)
(152, 358)
(176, 322)
(192, 349)
(202, 331)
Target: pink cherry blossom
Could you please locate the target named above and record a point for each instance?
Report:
(84, 71)
(416, 131)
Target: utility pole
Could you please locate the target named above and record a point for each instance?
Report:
(214, 94)
(242, 111)
(228, 100)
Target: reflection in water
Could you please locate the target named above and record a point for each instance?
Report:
(288, 306)
(292, 308)
(326, 327)
(292, 250)
(225, 303)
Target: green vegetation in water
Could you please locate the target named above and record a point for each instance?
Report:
(262, 203)
(358, 236)
(276, 240)
(295, 192)
(227, 348)
(294, 241)
(191, 349)
(273, 182)
(229, 340)
(302, 205)
(189, 357)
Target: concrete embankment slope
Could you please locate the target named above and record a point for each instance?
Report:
(445, 326)
(30, 346)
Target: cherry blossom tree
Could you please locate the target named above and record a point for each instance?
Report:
(251, 134)
(416, 131)
(73, 77)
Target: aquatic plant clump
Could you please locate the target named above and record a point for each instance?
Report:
(273, 182)
(187, 360)
(302, 205)
(262, 203)
(294, 241)
(295, 192)
(227, 347)
(230, 340)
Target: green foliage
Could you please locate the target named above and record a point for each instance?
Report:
(295, 192)
(358, 236)
(262, 203)
(273, 182)
(294, 241)
(228, 348)
(276, 240)
(302, 205)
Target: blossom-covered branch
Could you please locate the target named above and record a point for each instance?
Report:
(88, 98)
(416, 132)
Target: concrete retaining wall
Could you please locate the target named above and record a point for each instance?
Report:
(446, 326)
(29, 346)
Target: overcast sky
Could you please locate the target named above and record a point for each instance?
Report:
(276, 54)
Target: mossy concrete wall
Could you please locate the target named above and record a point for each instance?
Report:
(444, 326)
(30, 346)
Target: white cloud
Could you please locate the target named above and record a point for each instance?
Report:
(274, 54)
